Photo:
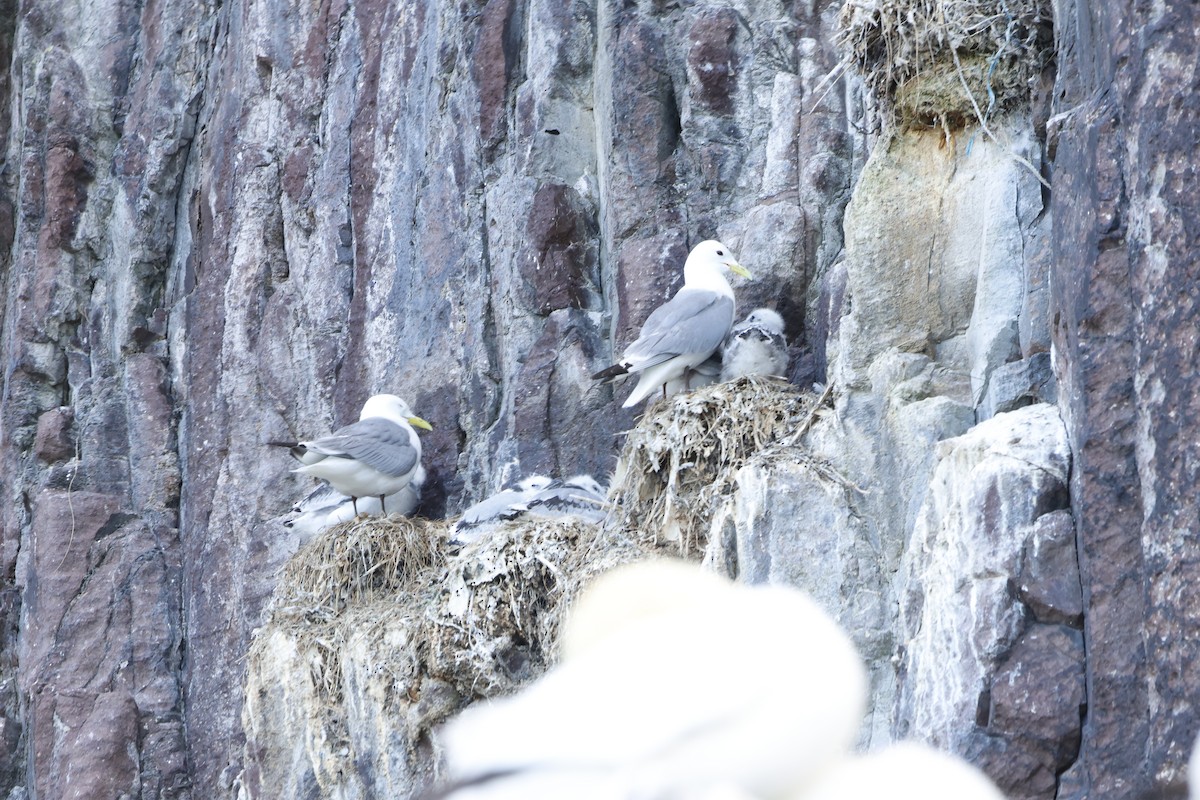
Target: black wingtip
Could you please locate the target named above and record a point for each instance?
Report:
(610, 372)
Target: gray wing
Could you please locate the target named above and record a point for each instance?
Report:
(693, 321)
(377, 442)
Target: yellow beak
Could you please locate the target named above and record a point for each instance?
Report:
(420, 423)
(738, 269)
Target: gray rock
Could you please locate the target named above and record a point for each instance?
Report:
(1048, 580)
(1018, 383)
(219, 230)
(959, 619)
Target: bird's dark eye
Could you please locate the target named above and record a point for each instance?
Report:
(720, 252)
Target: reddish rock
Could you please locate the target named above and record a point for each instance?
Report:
(491, 66)
(560, 235)
(651, 272)
(712, 60)
(54, 441)
(1048, 581)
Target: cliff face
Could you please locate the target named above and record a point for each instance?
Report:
(228, 223)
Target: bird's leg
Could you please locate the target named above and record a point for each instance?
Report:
(687, 380)
(664, 391)
(382, 507)
(354, 502)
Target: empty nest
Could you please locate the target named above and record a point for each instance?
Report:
(916, 55)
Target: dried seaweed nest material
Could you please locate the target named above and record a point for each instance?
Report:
(994, 46)
(684, 455)
(495, 625)
(354, 562)
(383, 600)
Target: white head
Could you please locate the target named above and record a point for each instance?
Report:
(587, 483)
(533, 483)
(389, 406)
(706, 265)
(764, 318)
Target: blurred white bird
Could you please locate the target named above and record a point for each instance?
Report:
(755, 346)
(683, 332)
(377, 456)
(902, 771)
(673, 682)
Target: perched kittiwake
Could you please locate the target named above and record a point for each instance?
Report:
(755, 346)
(672, 682)
(504, 505)
(325, 506)
(375, 457)
(581, 496)
(687, 329)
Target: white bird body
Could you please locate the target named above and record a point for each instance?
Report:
(755, 346)
(326, 506)
(377, 456)
(679, 683)
(901, 771)
(683, 332)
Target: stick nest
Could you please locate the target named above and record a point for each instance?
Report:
(916, 54)
(684, 455)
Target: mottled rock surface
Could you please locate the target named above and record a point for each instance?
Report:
(227, 223)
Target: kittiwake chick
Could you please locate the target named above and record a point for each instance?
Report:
(325, 506)
(504, 505)
(580, 496)
(755, 346)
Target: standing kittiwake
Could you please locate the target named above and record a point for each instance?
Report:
(377, 456)
(683, 332)
(755, 346)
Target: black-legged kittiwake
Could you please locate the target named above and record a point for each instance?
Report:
(377, 456)
(580, 496)
(755, 346)
(325, 506)
(506, 504)
(683, 332)
(672, 682)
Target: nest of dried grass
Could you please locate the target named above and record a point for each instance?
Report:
(917, 54)
(354, 562)
(481, 622)
(496, 624)
(684, 455)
